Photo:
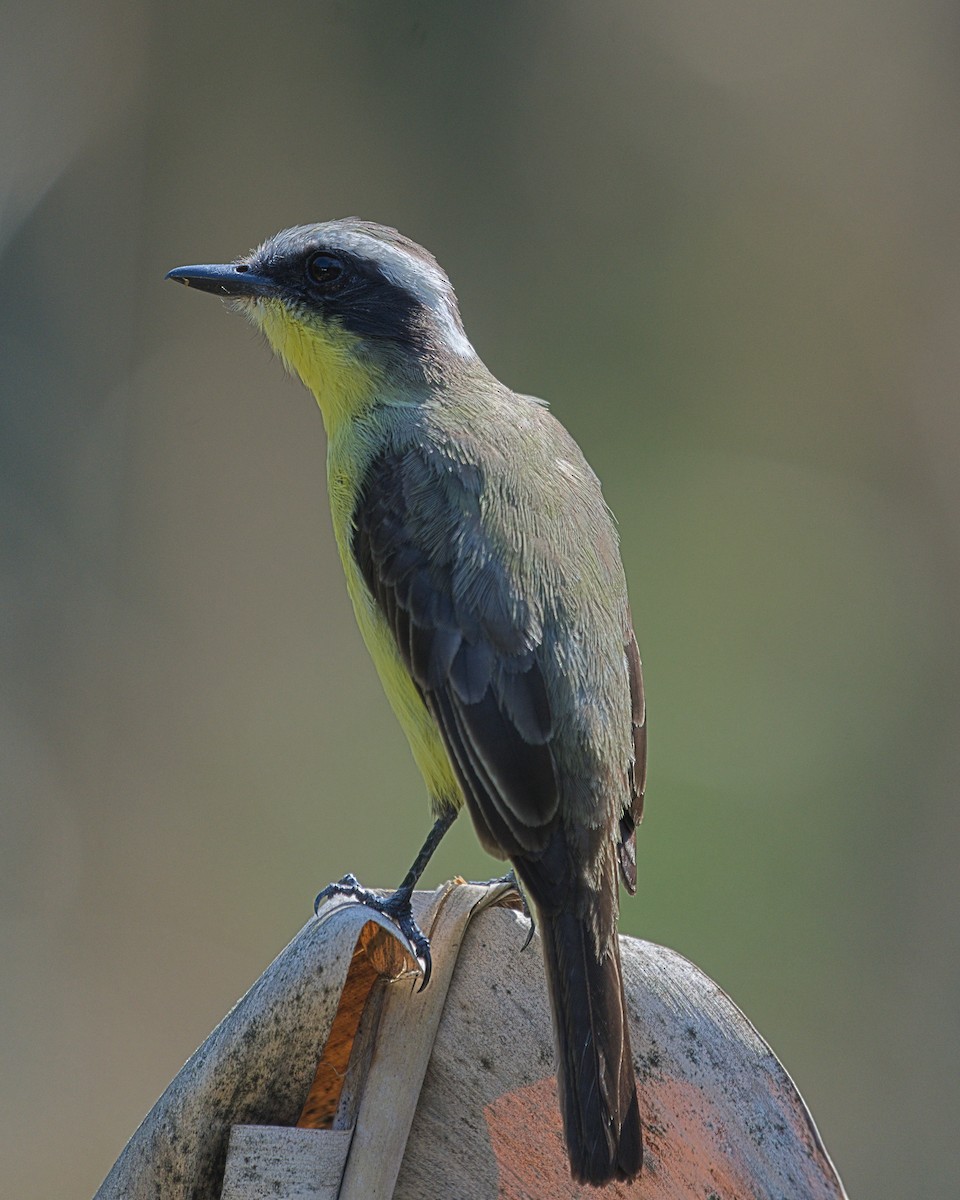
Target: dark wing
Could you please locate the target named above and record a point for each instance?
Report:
(466, 636)
(627, 845)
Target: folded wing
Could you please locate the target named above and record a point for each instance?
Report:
(466, 635)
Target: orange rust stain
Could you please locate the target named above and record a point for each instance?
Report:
(686, 1153)
(686, 1146)
(526, 1134)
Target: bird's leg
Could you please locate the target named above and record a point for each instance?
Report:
(398, 906)
(514, 881)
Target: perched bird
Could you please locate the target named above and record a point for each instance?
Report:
(484, 571)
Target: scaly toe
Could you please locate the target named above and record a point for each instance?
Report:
(398, 907)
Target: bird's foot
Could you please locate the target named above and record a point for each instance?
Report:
(398, 907)
(514, 882)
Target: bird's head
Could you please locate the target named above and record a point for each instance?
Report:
(348, 305)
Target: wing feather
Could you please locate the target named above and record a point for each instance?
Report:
(630, 818)
(466, 636)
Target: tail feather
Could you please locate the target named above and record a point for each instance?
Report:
(596, 1081)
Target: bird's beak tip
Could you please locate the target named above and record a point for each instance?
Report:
(223, 279)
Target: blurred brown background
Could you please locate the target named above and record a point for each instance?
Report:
(721, 238)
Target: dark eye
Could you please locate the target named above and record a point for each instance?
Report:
(324, 269)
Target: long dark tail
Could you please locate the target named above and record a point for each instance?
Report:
(596, 1082)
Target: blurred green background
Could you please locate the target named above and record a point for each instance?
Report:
(722, 239)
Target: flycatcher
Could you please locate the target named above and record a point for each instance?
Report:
(484, 571)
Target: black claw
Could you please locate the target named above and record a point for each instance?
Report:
(528, 913)
(349, 885)
(398, 907)
(511, 878)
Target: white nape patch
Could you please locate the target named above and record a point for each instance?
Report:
(427, 283)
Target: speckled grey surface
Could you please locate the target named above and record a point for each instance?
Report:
(255, 1068)
(721, 1116)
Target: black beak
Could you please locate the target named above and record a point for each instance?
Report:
(224, 279)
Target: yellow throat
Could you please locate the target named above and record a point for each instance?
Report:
(324, 357)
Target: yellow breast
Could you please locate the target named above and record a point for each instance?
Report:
(422, 733)
(346, 390)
